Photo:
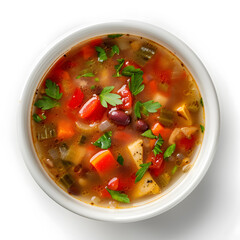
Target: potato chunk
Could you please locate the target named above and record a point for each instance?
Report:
(160, 98)
(75, 154)
(183, 112)
(136, 151)
(145, 187)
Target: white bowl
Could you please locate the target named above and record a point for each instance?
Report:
(185, 184)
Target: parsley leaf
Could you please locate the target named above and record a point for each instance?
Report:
(120, 159)
(135, 85)
(86, 75)
(158, 144)
(114, 35)
(202, 128)
(142, 171)
(201, 102)
(37, 118)
(169, 151)
(92, 87)
(149, 134)
(52, 90)
(118, 67)
(146, 108)
(111, 98)
(104, 141)
(118, 196)
(46, 103)
(115, 50)
(102, 56)
(96, 79)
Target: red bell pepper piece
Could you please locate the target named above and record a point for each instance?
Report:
(113, 183)
(76, 99)
(158, 165)
(186, 143)
(126, 98)
(92, 109)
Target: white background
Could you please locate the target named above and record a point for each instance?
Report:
(211, 29)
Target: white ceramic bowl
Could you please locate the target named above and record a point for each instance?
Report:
(185, 184)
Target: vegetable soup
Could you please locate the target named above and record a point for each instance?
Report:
(116, 120)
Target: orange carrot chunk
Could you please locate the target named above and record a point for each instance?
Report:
(65, 129)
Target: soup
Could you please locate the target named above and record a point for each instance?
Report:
(116, 120)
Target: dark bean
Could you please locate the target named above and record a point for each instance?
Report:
(141, 126)
(119, 117)
(74, 189)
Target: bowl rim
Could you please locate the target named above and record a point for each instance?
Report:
(212, 120)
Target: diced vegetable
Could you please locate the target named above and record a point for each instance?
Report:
(189, 131)
(193, 106)
(103, 162)
(105, 126)
(86, 128)
(157, 129)
(183, 112)
(76, 99)
(145, 186)
(75, 154)
(136, 152)
(145, 53)
(160, 98)
(186, 143)
(158, 165)
(113, 183)
(126, 98)
(164, 180)
(46, 132)
(92, 109)
(65, 129)
(54, 153)
(166, 117)
(67, 181)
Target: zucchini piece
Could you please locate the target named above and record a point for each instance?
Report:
(163, 180)
(46, 132)
(145, 186)
(75, 154)
(136, 152)
(166, 117)
(145, 53)
(67, 181)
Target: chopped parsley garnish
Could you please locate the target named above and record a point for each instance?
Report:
(114, 35)
(115, 50)
(104, 141)
(158, 144)
(175, 168)
(37, 118)
(52, 90)
(96, 79)
(135, 85)
(118, 196)
(146, 108)
(149, 134)
(120, 159)
(118, 67)
(92, 87)
(169, 151)
(46, 103)
(142, 171)
(202, 128)
(201, 102)
(86, 75)
(102, 56)
(107, 97)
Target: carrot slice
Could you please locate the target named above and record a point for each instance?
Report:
(65, 129)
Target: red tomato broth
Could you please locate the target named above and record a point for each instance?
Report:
(163, 67)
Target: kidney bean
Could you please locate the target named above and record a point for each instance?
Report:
(119, 117)
(141, 126)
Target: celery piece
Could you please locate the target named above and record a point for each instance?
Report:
(46, 132)
(163, 180)
(67, 181)
(166, 117)
(145, 53)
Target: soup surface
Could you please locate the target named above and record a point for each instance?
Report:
(116, 120)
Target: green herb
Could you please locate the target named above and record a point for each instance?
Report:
(46, 103)
(92, 87)
(118, 196)
(114, 35)
(118, 67)
(104, 141)
(107, 97)
(202, 128)
(146, 108)
(169, 151)
(141, 171)
(96, 79)
(149, 134)
(115, 50)
(135, 85)
(120, 159)
(52, 90)
(86, 75)
(158, 144)
(102, 56)
(37, 118)
(175, 168)
(201, 102)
